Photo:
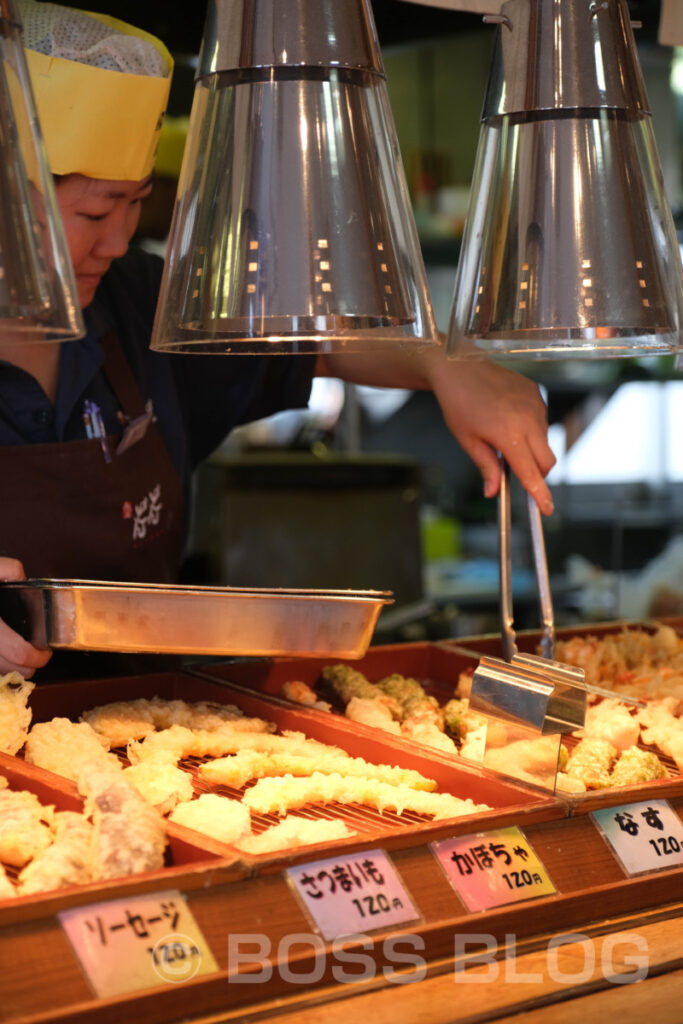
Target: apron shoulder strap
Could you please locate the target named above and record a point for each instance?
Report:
(118, 372)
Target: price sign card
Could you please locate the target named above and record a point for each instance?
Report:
(352, 893)
(644, 837)
(490, 869)
(142, 942)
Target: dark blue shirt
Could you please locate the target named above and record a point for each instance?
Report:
(197, 399)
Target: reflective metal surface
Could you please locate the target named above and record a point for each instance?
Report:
(569, 246)
(38, 298)
(564, 54)
(88, 615)
(270, 33)
(293, 230)
(530, 692)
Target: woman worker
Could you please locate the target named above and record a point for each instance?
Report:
(115, 511)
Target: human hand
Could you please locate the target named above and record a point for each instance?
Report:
(17, 654)
(491, 409)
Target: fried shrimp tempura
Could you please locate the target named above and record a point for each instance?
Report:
(15, 716)
(240, 768)
(68, 861)
(279, 795)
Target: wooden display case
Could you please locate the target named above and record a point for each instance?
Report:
(594, 913)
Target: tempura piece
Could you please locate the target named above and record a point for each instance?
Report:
(372, 712)
(129, 834)
(162, 785)
(171, 745)
(635, 766)
(662, 727)
(454, 713)
(612, 721)
(347, 683)
(25, 827)
(532, 760)
(66, 747)
(7, 889)
(570, 785)
(292, 832)
(217, 816)
(464, 684)
(123, 721)
(591, 762)
(473, 747)
(237, 770)
(285, 793)
(4, 783)
(15, 716)
(302, 693)
(426, 732)
(68, 861)
(634, 662)
(167, 746)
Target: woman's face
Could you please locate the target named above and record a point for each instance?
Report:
(100, 218)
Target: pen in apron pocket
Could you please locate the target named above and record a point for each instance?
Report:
(94, 426)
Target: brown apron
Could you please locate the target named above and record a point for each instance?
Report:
(67, 513)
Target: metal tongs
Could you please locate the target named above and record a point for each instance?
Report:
(526, 689)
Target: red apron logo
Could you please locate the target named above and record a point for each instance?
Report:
(145, 514)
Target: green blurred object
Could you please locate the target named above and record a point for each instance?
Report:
(441, 537)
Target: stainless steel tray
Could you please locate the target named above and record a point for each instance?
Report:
(89, 615)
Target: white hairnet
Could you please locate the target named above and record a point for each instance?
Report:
(59, 31)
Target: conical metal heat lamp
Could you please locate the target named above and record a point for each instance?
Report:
(293, 230)
(38, 296)
(569, 248)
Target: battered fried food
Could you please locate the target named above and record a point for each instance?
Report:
(129, 834)
(285, 793)
(7, 889)
(162, 785)
(239, 769)
(25, 827)
(372, 712)
(292, 832)
(66, 747)
(634, 662)
(171, 745)
(302, 693)
(635, 766)
(591, 762)
(662, 726)
(15, 716)
(347, 682)
(612, 721)
(123, 721)
(217, 816)
(68, 861)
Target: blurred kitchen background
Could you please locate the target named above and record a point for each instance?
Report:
(368, 489)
